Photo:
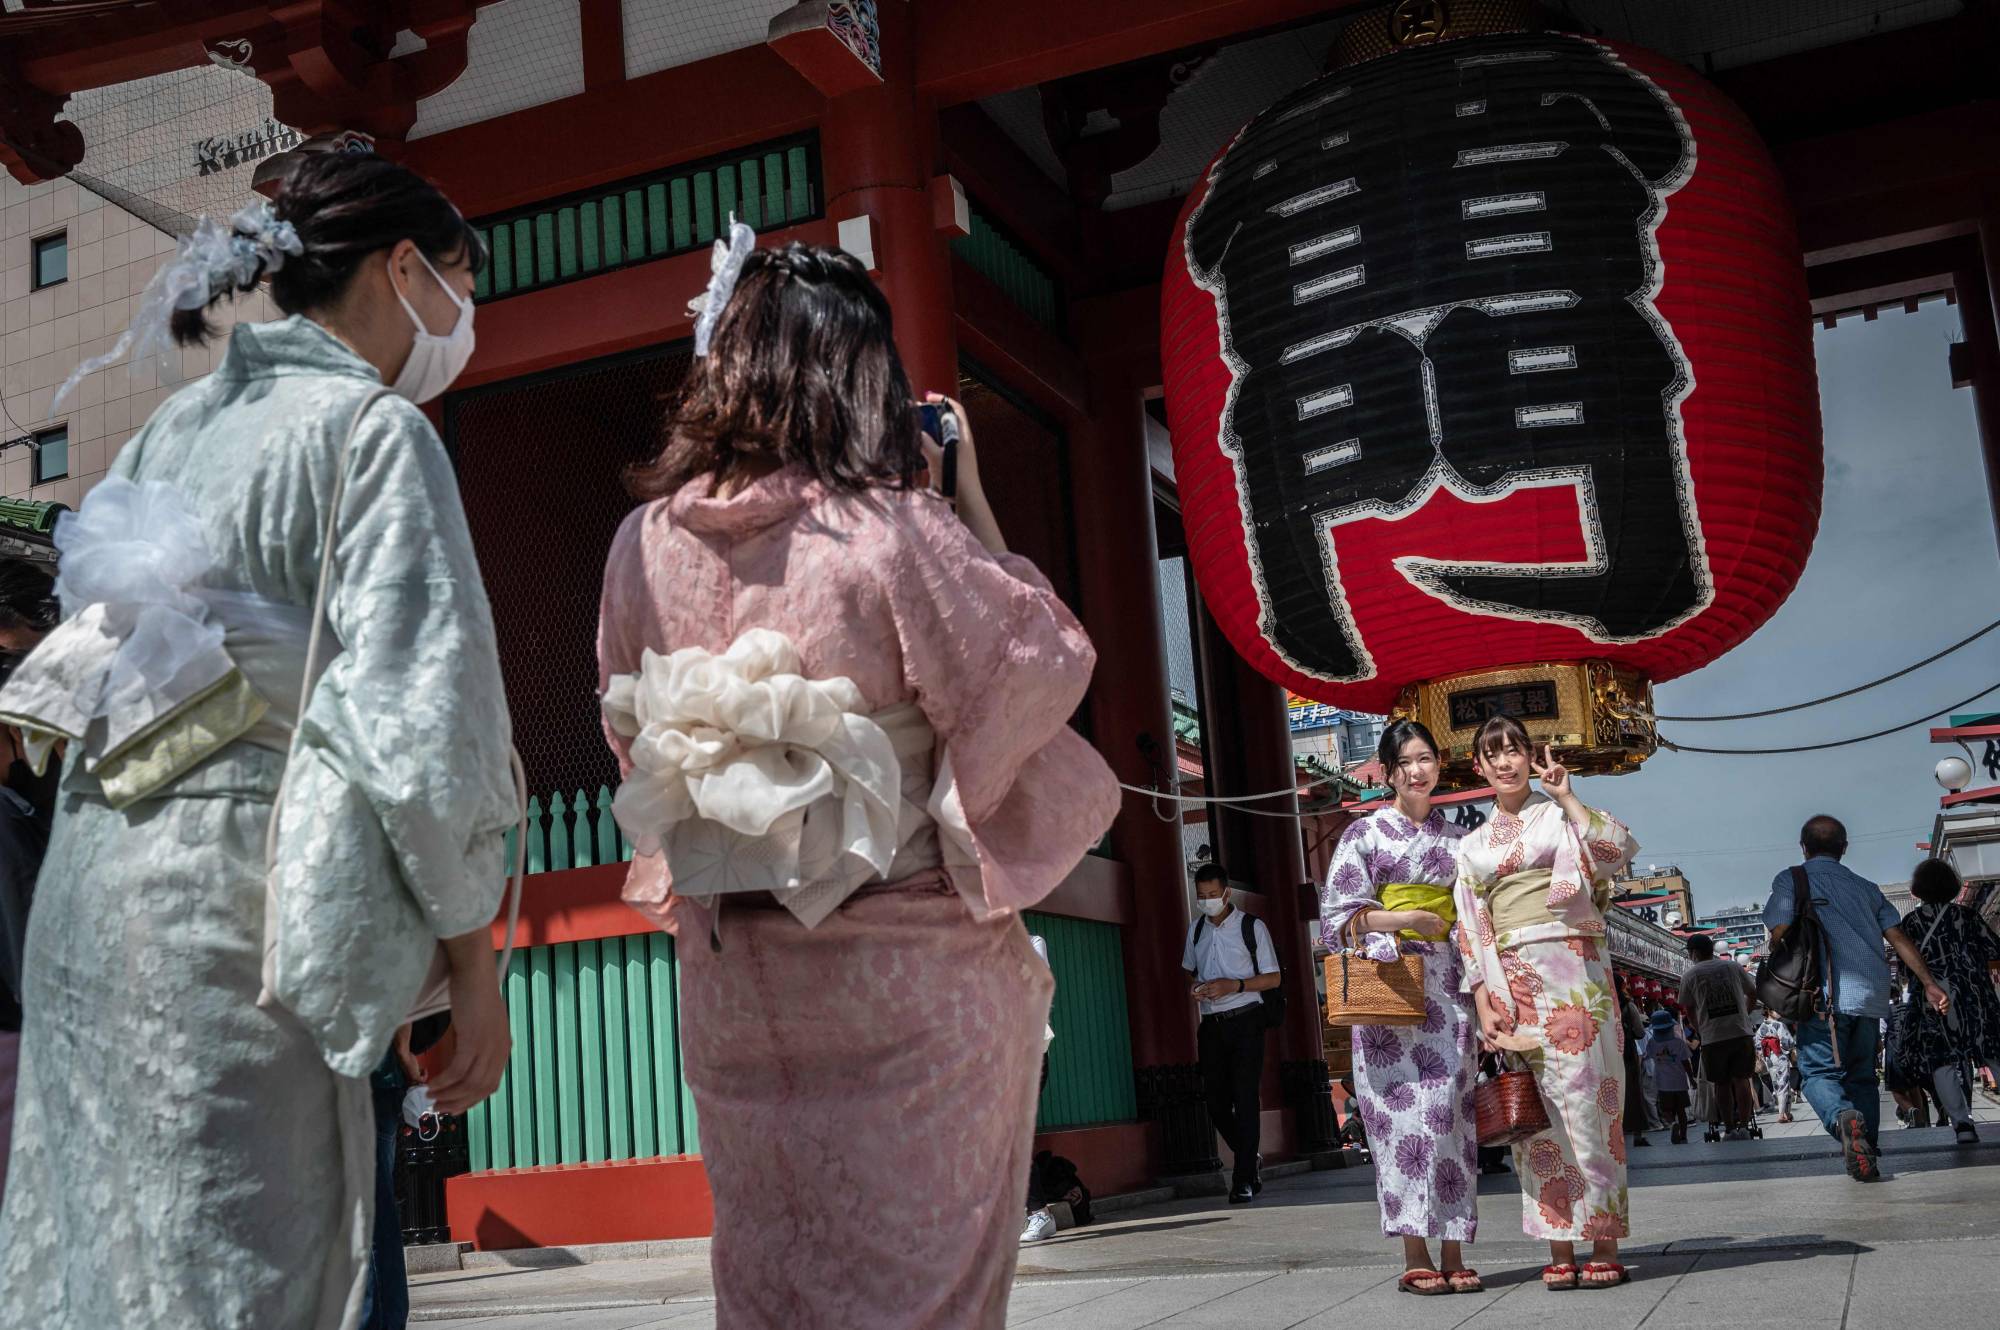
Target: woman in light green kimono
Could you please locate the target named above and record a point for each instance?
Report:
(191, 1150)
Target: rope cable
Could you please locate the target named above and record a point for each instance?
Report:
(1835, 697)
(1831, 743)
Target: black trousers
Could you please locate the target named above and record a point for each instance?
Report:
(1232, 1069)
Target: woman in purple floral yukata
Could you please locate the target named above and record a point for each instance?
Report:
(1391, 883)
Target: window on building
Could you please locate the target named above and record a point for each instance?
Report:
(52, 260)
(52, 454)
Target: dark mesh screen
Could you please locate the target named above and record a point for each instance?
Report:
(1024, 466)
(540, 463)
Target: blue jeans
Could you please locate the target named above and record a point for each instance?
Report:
(1829, 1088)
(387, 1305)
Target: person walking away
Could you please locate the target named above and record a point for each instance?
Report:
(1963, 953)
(190, 1149)
(1837, 1049)
(1912, 1090)
(28, 610)
(1719, 993)
(1229, 984)
(1389, 891)
(1533, 885)
(1672, 1061)
(1635, 1072)
(860, 1001)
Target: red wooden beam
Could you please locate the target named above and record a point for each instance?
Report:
(643, 305)
(687, 113)
(603, 43)
(1991, 794)
(1952, 734)
(968, 49)
(1027, 357)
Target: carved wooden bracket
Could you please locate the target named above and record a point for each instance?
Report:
(329, 68)
(34, 145)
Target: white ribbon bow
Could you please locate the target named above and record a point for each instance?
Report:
(750, 776)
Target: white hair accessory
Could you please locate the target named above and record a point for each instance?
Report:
(725, 265)
(210, 260)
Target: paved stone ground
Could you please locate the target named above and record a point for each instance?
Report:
(1767, 1233)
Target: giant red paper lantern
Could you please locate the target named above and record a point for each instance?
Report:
(1489, 369)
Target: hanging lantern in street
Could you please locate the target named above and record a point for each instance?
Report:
(1488, 363)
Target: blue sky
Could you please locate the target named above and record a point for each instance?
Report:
(1905, 563)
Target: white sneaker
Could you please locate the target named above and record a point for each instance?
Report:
(1041, 1224)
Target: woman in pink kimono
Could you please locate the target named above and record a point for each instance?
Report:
(1533, 884)
(841, 710)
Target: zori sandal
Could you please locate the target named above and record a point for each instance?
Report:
(1559, 1278)
(1620, 1275)
(1465, 1281)
(1412, 1278)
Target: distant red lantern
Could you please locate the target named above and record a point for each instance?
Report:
(1489, 369)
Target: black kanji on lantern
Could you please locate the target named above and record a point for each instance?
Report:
(1436, 271)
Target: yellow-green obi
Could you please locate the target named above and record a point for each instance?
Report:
(1520, 901)
(1420, 896)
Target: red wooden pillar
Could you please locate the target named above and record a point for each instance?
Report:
(1131, 715)
(1250, 752)
(878, 148)
(1977, 312)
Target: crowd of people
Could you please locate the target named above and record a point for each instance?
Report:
(1509, 924)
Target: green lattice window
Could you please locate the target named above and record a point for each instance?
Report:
(653, 217)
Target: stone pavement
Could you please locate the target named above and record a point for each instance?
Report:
(1764, 1232)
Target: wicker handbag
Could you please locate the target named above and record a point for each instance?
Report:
(1507, 1108)
(1364, 991)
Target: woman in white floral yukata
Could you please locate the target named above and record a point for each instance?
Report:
(1391, 881)
(1533, 884)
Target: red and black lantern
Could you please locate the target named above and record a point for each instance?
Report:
(1489, 369)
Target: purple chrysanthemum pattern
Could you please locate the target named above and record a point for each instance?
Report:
(1380, 1046)
(1413, 1155)
(1414, 1082)
(1430, 1064)
(1449, 1180)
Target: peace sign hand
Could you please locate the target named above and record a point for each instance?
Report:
(1553, 774)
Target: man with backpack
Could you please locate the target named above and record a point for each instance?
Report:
(1846, 921)
(1230, 957)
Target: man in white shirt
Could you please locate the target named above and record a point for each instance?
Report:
(1229, 985)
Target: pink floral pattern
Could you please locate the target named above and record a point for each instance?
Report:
(795, 1039)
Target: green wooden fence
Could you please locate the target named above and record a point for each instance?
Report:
(653, 217)
(1090, 1062)
(596, 1073)
(1010, 267)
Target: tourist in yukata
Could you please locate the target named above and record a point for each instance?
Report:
(194, 1139)
(1390, 889)
(841, 711)
(1533, 885)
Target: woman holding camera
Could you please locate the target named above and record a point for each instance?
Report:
(1389, 891)
(841, 709)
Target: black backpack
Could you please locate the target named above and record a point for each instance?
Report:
(1052, 1178)
(1274, 998)
(1791, 980)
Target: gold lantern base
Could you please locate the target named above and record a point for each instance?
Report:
(1596, 715)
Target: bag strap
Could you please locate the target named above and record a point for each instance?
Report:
(314, 639)
(1934, 926)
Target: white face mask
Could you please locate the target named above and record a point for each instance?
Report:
(1212, 908)
(434, 361)
(421, 1112)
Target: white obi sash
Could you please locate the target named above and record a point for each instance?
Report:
(752, 778)
(150, 674)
